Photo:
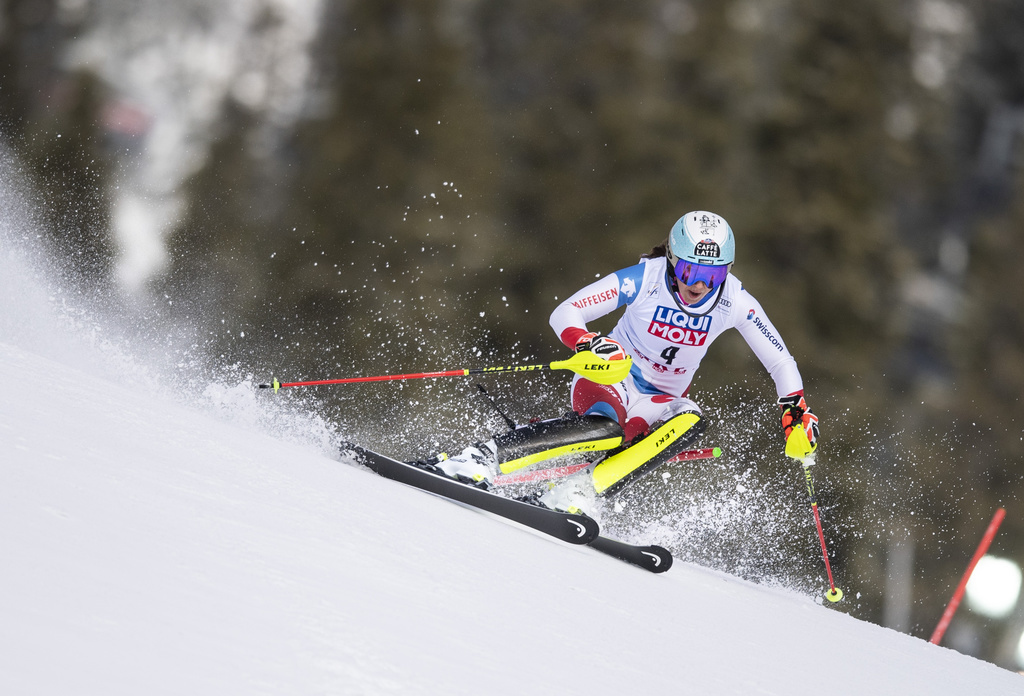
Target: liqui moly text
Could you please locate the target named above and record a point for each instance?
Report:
(679, 327)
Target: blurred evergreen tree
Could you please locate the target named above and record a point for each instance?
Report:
(993, 106)
(820, 185)
(989, 342)
(367, 235)
(612, 131)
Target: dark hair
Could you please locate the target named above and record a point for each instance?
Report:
(657, 252)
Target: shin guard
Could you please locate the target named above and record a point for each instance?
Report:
(548, 439)
(623, 468)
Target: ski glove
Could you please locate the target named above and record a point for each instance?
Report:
(795, 411)
(601, 346)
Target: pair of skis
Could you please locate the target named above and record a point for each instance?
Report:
(576, 529)
(571, 528)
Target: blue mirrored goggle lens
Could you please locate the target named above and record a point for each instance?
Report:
(690, 273)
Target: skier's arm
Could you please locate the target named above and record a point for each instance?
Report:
(763, 338)
(569, 320)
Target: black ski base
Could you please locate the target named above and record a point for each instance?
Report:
(653, 558)
(574, 529)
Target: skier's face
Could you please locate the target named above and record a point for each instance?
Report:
(692, 294)
(695, 280)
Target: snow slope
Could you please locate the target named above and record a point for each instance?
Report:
(155, 546)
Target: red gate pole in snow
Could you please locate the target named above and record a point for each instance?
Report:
(951, 608)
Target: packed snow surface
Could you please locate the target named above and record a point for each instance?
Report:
(151, 545)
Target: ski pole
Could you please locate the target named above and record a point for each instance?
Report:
(508, 421)
(539, 475)
(583, 363)
(799, 447)
(705, 453)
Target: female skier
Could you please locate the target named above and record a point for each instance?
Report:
(677, 300)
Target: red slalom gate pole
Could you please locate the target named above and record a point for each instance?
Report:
(951, 608)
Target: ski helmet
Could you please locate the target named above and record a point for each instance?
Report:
(701, 237)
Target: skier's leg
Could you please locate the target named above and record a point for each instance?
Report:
(593, 428)
(678, 425)
(578, 493)
(607, 400)
(547, 439)
(675, 435)
(529, 444)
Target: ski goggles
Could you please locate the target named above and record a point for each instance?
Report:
(690, 273)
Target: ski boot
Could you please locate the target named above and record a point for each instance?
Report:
(575, 495)
(476, 465)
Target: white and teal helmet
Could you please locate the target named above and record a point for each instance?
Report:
(701, 237)
(701, 249)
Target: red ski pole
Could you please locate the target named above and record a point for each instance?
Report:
(834, 594)
(583, 363)
(798, 447)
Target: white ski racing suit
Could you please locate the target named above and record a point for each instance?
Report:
(667, 341)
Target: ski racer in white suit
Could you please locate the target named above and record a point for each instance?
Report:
(677, 300)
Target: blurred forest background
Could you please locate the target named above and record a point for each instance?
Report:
(328, 189)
